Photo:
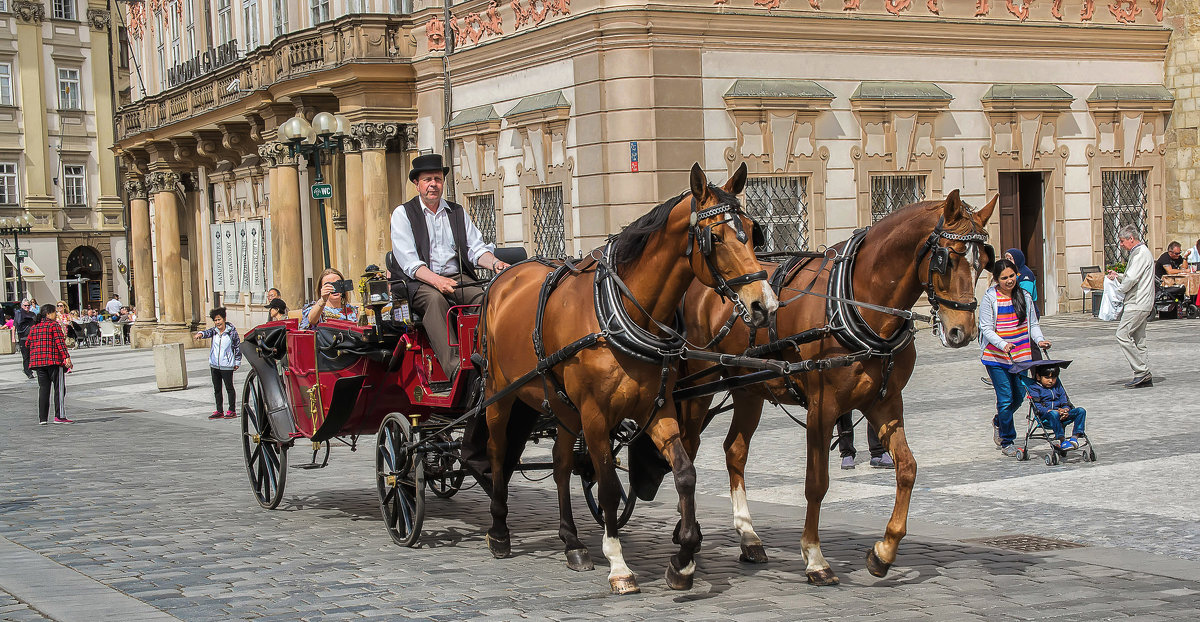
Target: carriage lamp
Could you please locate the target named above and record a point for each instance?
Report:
(15, 226)
(324, 136)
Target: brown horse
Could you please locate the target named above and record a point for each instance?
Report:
(700, 235)
(932, 248)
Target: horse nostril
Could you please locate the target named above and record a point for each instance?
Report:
(955, 335)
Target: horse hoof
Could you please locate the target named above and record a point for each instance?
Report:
(579, 560)
(753, 554)
(875, 566)
(676, 580)
(623, 585)
(823, 576)
(498, 548)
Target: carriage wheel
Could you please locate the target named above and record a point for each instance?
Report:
(266, 458)
(621, 437)
(400, 480)
(444, 471)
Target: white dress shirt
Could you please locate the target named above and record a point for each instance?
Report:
(442, 257)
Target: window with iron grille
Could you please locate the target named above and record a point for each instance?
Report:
(780, 205)
(6, 94)
(74, 185)
(68, 89)
(64, 9)
(8, 183)
(892, 192)
(1124, 203)
(482, 208)
(549, 229)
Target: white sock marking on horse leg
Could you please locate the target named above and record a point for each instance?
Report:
(616, 560)
(816, 561)
(688, 570)
(741, 517)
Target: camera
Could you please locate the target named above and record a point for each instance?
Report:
(345, 286)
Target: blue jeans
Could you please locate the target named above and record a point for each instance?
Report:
(1053, 422)
(1010, 394)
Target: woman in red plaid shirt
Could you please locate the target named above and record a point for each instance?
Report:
(49, 359)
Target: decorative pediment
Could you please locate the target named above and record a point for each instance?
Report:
(774, 121)
(1024, 119)
(1130, 119)
(476, 132)
(540, 122)
(897, 121)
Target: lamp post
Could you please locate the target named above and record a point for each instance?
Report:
(324, 136)
(16, 226)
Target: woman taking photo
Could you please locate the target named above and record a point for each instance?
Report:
(49, 359)
(1008, 325)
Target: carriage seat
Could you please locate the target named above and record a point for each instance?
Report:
(270, 341)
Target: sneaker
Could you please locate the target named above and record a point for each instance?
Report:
(1145, 380)
(43, 422)
(883, 462)
(230, 415)
(62, 420)
(1009, 450)
(996, 434)
(217, 415)
(1069, 444)
(847, 462)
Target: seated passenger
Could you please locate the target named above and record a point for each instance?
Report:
(1054, 409)
(276, 310)
(330, 305)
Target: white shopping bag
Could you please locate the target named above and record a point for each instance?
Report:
(1111, 303)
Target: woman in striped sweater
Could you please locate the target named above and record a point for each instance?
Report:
(1009, 327)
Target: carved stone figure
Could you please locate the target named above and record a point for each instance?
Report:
(29, 12)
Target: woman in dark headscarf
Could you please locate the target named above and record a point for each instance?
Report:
(1025, 278)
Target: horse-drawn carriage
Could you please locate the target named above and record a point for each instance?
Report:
(592, 354)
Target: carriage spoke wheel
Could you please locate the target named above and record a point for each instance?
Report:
(266, 458)
(399, 478)
(443, 470)
(620, 439)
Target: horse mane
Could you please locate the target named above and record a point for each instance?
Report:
(909, 211)
(631, 241)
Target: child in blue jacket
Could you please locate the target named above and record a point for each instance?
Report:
(224, 356)
(1054, 409)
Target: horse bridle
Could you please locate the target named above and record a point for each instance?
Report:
(702, 236)
(939, 262)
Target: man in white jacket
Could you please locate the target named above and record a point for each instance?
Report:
(1137, 285)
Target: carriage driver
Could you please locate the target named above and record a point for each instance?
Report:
(437, 248)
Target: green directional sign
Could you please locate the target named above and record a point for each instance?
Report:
(322, 191)
(22, 253)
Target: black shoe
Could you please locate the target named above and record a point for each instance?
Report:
(1140, 381)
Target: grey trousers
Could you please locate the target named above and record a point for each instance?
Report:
(1131, 336)
(433, 305)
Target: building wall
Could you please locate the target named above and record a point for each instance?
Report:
(1183, 134)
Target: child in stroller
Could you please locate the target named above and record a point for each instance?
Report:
(1050, 410)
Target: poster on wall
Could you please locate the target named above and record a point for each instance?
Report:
(243, 268)
(218, 256)
(256, 266)
(229, 242)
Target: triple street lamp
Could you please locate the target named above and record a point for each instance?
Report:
(324, 136)
(15, 226)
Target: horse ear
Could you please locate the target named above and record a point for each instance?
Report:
(952, 211)
(737, 183)
(699, 182)
(985, 212)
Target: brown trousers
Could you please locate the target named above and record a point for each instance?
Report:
(433, 306)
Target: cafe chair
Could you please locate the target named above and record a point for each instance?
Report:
(1084, 271)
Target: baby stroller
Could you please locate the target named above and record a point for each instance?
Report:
(1041, 429)
(1172, 302)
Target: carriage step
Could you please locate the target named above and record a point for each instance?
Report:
(440, 388)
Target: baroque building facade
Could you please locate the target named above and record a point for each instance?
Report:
(56, 127)
(563, 121)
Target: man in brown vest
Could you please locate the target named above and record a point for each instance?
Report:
(437, 248)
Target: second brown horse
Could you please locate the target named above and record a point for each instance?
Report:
(891, 268)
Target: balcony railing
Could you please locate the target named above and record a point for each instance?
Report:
(365, 38)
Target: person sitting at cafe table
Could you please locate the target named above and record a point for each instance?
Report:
(332, 303)
(1170, 262)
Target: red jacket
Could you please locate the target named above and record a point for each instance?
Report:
(46, 344)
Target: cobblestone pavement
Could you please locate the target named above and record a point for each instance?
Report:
(148, 501)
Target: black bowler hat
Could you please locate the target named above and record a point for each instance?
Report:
(427, 162)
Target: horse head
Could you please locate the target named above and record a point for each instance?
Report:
(721, 247)
(950, 262)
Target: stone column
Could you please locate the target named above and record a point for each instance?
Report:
(356, 212)
(286, 227)
(108, 204)
(142, 259)
(164, 185)
(266, 153)
(373, 138)
(31, 74)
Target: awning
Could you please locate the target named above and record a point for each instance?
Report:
(29, 270)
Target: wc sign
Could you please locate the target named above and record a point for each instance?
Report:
(633, 157)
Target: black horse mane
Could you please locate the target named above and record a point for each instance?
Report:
(631, 241)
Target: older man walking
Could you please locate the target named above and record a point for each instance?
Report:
(1137, 284)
